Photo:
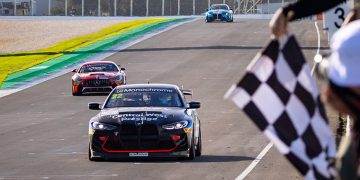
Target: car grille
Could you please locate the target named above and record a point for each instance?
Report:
(97, 82)
(218, 16)
(146, 137)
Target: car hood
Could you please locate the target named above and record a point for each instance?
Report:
(97, 75)
(157, 115)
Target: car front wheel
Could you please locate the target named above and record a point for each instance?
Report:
(91, 158)
(199, 145)
(192, 152)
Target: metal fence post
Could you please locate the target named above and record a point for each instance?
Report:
(32, 8)
(234, 8)
(163, 8)
(147, 7)
(14, 7)
(131, 7)
(66, 5)
(178, 13)
(208, 3)
(99, 7)
(224, 1)
(194, 7)
(49, 10)
(115, 13)
(239, 6)
(82, 7)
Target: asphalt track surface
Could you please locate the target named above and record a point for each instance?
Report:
(43, 129)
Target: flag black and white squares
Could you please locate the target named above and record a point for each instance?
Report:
(282, 99)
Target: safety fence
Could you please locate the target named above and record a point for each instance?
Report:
(131, 7)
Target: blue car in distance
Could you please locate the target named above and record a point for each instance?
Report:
(219, 12)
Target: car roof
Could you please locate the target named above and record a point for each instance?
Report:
(99, 62)
(157, 85)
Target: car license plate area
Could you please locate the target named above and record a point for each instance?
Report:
(140, 154)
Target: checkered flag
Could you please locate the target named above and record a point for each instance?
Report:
(280, 96)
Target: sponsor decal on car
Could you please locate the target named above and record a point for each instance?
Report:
(125, 90)
(139, 116)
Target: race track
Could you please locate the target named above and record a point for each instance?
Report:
(43, 129)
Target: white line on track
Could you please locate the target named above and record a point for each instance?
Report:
(255, 162)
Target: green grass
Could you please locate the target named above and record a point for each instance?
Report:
(14, 62)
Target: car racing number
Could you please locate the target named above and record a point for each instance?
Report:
(340, 12)
(334, 18)
(117, 96)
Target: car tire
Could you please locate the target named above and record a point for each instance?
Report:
(199, 145)
(192, 153)
(91, 158)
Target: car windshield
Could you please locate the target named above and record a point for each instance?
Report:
(100, 67)
(144, 97)
(219, 6)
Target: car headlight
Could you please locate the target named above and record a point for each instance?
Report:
(209, 14)
(176, 125)
(118, 77)
(226, 14)
(102, 126)
(77, 80)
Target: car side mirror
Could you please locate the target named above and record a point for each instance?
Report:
(194, 105)
(94, 106)
(74, 70)
(231, 9)
(123, 69)
(206, 9)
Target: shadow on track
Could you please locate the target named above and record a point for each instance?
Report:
(94, 94)
(201, 159)
(219, 158)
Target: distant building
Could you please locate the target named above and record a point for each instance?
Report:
(8, 8)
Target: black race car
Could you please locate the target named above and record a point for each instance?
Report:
(145, 120)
